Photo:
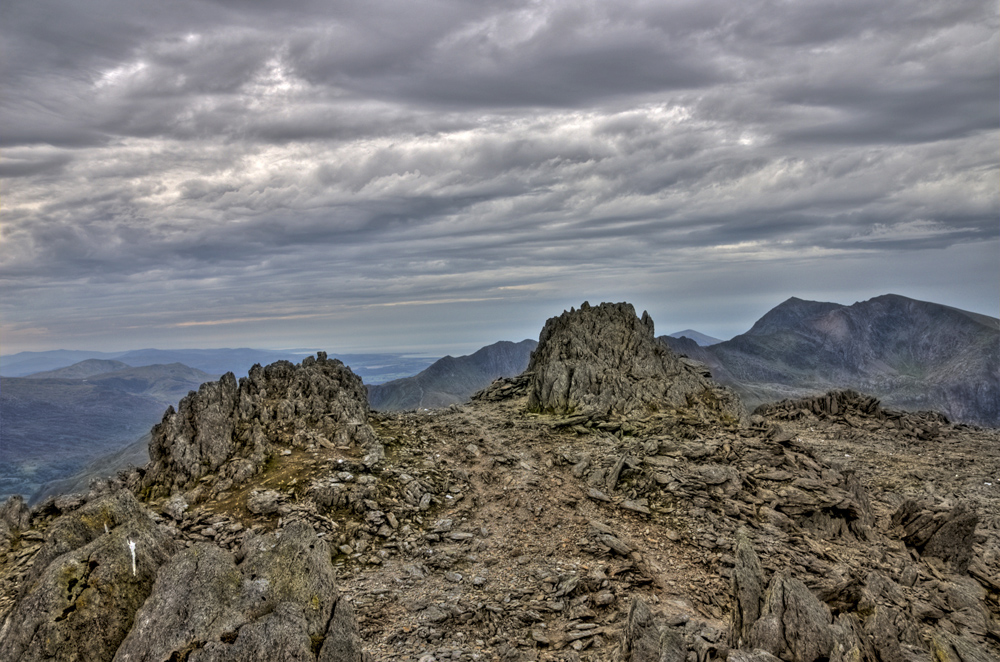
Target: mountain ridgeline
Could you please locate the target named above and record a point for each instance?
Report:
(452, 380)
(912, 354)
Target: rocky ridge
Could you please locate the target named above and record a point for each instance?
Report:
(822, 529)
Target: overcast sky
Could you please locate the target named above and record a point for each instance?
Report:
(437, 176)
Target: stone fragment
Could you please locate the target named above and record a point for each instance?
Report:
(794, 625)
(645, 640)
(264, 502)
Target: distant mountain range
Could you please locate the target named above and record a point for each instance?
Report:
(451, 380)
(911, 354)
(53, 422)
(699, 338)
(373, 368)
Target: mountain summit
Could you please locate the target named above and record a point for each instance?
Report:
(912, 354)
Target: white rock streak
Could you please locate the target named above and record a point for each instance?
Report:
(131, 548)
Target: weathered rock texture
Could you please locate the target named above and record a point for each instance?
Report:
(230, 430)
(488, 533)
(280, 602)
(81, 598)
(947, 534)
(605, 361)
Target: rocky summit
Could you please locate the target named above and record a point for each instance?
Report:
(602, 361)
(610, 503)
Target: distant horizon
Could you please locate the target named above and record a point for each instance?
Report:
(460, 348)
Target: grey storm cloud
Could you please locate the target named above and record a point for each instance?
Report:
(188, 166)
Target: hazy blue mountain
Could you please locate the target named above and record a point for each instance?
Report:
(912, 354)
(52, 427)
(82, 370)
(372, 368)
(451, 380)
(700, 338)
(27, 363)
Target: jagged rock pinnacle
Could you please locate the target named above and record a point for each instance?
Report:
(231, 429)
(605, 361)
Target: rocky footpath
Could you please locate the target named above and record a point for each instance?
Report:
(823, 529)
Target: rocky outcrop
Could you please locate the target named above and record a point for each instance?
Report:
(230, 430)
(605, 361)
(280, 602)
(95, 569)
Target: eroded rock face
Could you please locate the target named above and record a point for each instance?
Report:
(81, 599)
(231, 429)
(605, 361)
(15, 516)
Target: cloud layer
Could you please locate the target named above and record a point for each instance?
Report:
(431, 174)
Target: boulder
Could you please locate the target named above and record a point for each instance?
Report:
(96, 568)
(280, 602)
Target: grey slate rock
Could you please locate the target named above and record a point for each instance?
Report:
(605, 361)
(646, 640)
(794, 625)
(748, 590)
(942, 533)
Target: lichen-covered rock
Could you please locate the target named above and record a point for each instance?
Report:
(80, 601)
(605, 361)
(280, 602)
(15, 516)
(231, 429)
